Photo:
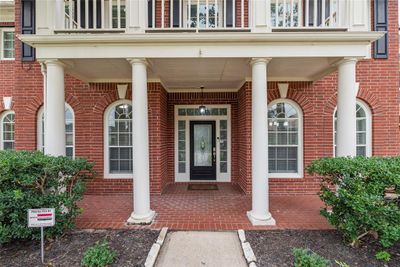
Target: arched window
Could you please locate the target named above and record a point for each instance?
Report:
(363, 129)
(118, 140)
(69, 131)
(285, 139)
(7, 130)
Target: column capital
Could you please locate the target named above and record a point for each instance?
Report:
(347, 60)
(258, 60)
(52, 61)
(134, 61)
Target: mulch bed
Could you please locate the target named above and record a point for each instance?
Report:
(132, 247)
(274, 248)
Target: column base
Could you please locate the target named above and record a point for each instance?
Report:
(264, 220)
(142, 219)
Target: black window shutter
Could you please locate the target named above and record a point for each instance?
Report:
(28, 27)
(381, 24)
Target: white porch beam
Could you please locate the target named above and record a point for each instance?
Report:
(141, 171)
(54, 109)
(346, 138)
(259, 215)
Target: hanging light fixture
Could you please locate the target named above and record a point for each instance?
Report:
(202, 108)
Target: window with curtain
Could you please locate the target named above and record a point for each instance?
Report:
(284, 138)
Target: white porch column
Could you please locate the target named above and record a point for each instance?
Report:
(141, 175)
(346, 138)
(54, 109)
(259, 215)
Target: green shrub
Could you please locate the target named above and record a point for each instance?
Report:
(353, 190)
(383, 256)
(31, 180)
(308, 258)
(99, 255)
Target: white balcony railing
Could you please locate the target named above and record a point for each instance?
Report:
(314, 13)
(198, 14)
(94, 14)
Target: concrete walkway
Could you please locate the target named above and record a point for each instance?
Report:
(189, 249)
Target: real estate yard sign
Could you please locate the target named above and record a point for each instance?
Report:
(41, 218)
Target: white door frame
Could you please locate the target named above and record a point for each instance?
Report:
(185, 177)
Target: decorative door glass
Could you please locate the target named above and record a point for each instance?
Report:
(202, 145)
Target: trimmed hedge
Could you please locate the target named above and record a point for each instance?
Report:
(32, 180)
(353, 190)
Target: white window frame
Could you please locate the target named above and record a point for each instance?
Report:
(39, 133)
(300, 150)
(107, 174)
(2, 116)
(368, 114)
(185, 177)
(2, 31)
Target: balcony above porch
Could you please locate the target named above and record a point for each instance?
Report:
(155, 16)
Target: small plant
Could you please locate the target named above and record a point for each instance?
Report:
(383, 256)
(308, 258)
(99, 255)
(341, 263)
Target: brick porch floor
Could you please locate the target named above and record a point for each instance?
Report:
(223, 209)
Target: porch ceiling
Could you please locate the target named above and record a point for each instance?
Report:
(191, 73)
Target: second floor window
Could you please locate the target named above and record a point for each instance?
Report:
(7, 43)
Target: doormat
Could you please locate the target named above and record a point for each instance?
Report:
(202, 187)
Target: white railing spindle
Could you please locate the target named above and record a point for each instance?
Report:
(242, 13)
(331, 14)
(78, 16)
(153, 14)
(224, 22)
(292, 13)
(307, 17)
(87, 14)
(94, 14)
(119, 14)
(217, 16)
(323, 14)
(277, 13)
(207, 13)
(171, 14)
(102, 14)
(198, 13)
(162, 13)
(233, 13)
(180, 14)
(315, 16)
(110, 13)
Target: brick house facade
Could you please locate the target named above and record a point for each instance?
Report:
(317, 99)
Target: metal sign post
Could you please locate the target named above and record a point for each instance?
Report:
(41, 218)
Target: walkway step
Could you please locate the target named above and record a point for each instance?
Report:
(187, 249)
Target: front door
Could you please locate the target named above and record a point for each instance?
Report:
(202, 150)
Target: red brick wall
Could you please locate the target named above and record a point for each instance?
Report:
(244, 139)
(379, 82)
